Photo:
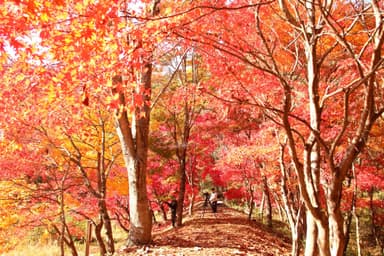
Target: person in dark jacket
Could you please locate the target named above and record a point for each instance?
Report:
(206, 199)
(173, 206)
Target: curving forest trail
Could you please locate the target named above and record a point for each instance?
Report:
(226, 233)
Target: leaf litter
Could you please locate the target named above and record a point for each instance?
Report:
(228, 232)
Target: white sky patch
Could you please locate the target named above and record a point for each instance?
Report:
(10, 51)
(137, 6)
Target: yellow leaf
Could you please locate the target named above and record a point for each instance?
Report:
(55, 79)
(121, 25)
(20, 77)
(68, 40)
(109, 83)
(44, 17)
(51, 96)
(167, 11)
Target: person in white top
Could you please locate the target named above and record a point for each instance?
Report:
(213, 200)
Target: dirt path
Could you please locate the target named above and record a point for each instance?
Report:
(227, 233)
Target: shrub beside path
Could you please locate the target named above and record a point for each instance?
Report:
(227, 233)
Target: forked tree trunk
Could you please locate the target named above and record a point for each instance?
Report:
(134, 141)
(325, 234)
(182, 143)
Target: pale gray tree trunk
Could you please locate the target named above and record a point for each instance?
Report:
(134, 141)
(268, 203)
(325, 234)
(294, 208)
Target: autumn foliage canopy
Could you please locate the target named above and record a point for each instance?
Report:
(275, 103)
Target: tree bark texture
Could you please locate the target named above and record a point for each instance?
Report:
(325, 235)
(134, 140)
(268, 203)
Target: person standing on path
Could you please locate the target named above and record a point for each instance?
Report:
(213, 200)
(173, 206)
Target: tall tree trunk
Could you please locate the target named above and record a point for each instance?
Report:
(354, 213)
(357, 225)
(348, 224)
(68, 241)
(64, 226)
(182, 145)
(335, 220)
(251, 204)
(102, 193)
(298, 230)
(99, 238)
(108, 227)
(295, 214)
(268, 203)
(323, 237)
(191, 182)
(183, 182)
(373, 217)
(134, 142)
(261, 206)
(182, 129)
(63, 221)
(311, 236)
(191, 203)
(278, 206)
